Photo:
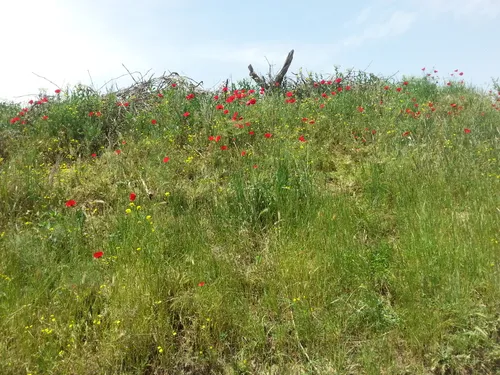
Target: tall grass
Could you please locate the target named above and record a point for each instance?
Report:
(354, 233)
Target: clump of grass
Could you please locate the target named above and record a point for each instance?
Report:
(336, 226)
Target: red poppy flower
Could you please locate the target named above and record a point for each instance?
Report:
(466, 131)
(302, 138)
(268, 135)
(223, 148)
(45, 117)
(58, 91)
(91, 114)
(406, 133)
(219, 107)
(405, 83)
(201, 283)
(31, 101)
(118, 152)
(174, 84)
(398, 89)
(338, 80)
(98, 254)
(166, 159)
(71, 203)
(243, 153)
(360, 109)
(289, 94)
(186, 114)
(94, 155)
(251, 132)
(154, 122)
(132, 197)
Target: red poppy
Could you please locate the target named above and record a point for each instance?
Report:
(174, 84)
(360, 109)
(71, 203)
(160, 95)
(154, 122)
(219, 107)
(58, 91)
(406, 133)
(398, 89)
(118, 152)
(45, 117)
(94, 155)
(252, 101)
(166, 159)
(132, 197)
(302, 138)
(201, 283)
(91, 114)
(243, 153)
(405, 83)
(251, 132)
(98, 254)
(223, 148)
(466, 131)
(289, 94)
(268, 135)
(186, 114)
(31, 101)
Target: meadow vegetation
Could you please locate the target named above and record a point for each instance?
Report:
(337, 226)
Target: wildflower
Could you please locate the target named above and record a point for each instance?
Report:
(91, 114)
(466, 130)
(252, 101)
(58, 91)
(98, 254)
(118, 152)
(302, 138)
(201, 283)
(45, 117)
(223, 148)
(190, 96)
(289, 94)
(338, 80)
(71, 203)
(406, 133)
(219, 107)
(251, 132)
(154, 122)
(94, 155)
(174, 85)
(166, 159)
(243, 153)
(160, 95)
(398, 89)
(360, 109)
(405, 83)
(186, 114)
(268, 135)
(132, 197)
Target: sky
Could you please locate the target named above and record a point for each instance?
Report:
(89, 42)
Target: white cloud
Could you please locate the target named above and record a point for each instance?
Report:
(398, 23)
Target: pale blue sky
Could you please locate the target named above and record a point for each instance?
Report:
(215, 40)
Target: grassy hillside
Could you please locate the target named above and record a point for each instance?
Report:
(333, 227)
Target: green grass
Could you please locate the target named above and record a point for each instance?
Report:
(370, 248)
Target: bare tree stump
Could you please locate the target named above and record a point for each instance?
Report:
(273, 81)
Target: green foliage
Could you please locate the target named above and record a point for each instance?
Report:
(303, 232)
